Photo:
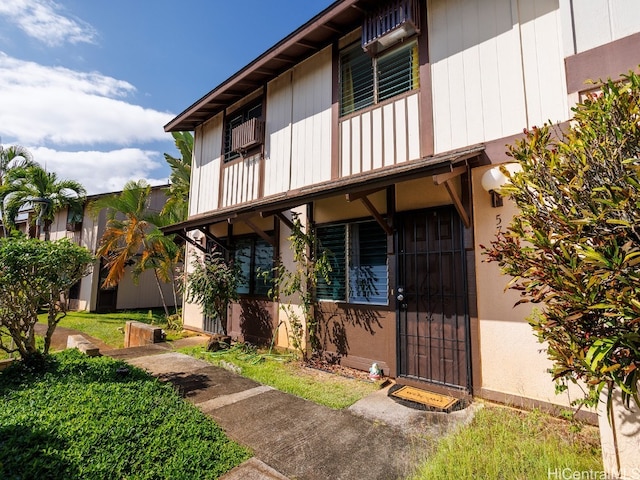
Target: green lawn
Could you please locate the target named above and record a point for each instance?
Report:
(287, 375)
(81, 419)
(503, 443)
(109, 327)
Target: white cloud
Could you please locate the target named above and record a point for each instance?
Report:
(62, 106)
(102, 172)
(40, 19)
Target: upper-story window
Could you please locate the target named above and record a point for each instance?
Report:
(253, 110)
(365, 81)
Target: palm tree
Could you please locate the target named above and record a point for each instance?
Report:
(33, 185)
(15, 156)
(180, 178)
(132, 237)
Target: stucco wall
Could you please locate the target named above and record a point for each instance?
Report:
(513, 363)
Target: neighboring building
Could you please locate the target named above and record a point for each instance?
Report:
(375, 122)
(89, 294)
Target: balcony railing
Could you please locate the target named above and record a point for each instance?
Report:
(397, 20)
(247, 135)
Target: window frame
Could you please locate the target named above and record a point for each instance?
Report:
(347, 266)
(356, 102)
(253, 288)
(234, 119)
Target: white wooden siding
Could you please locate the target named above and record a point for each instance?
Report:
(205, 176)
(497, 67)
(278, 135)
(597, 22)
(384, 136)
(240, 181)
(298, 128)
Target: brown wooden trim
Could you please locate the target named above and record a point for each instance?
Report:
(599, 63)
(267, 238)
(351, 196)
(444, 177)
(222, 163)
(457, 203)
(376, 106)
(372, 210)
(426, 102)
(381, 177)
(335, 112)
(525, 403)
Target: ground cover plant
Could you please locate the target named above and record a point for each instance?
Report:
(83, 418)
(503, 443)
(289, 375)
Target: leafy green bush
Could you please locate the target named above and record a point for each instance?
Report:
(82, 418)
(575, 246)
(34, 275)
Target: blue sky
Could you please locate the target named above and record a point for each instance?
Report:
(87, 85)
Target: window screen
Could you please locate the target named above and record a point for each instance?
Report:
(358, 258)
(253, 255)
(365, 81)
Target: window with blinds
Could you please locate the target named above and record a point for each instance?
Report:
(365, 81)
(358, 257)
(253, 256)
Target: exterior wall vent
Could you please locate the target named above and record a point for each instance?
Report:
(247, 135)
(392, 23)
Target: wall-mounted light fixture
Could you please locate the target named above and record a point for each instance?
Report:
(493, 179)
(197, 236)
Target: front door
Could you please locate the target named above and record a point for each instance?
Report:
(432, 307)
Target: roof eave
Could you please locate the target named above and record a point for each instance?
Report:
(188, 119)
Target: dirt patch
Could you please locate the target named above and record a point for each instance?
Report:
(320, 365)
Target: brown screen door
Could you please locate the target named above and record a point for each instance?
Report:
(433, 320)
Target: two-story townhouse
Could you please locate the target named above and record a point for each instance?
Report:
(89, 294)
(375, 121)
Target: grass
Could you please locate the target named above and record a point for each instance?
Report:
(78, 418)
(287, 375)
(502, 443)
(109, 327)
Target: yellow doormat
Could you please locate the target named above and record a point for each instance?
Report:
(429, 399)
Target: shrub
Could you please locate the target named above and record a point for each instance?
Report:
(575, 246)
(34, 275)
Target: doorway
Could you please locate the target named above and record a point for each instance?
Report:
(432, 302)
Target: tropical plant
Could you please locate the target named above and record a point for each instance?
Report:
(298, 286)
(180, 179)
(574, 246)
(11, 157)
(35, 275)
(132, 238)
(34, 186)
(213, 284)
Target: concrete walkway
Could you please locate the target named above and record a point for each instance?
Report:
(292, 438)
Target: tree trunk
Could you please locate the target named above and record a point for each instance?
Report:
(164, 302)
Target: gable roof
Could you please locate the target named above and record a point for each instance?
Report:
(332, 23)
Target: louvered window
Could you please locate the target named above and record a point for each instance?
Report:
(365, 81)
(253, 255)
(234, 120)
(358, 256)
